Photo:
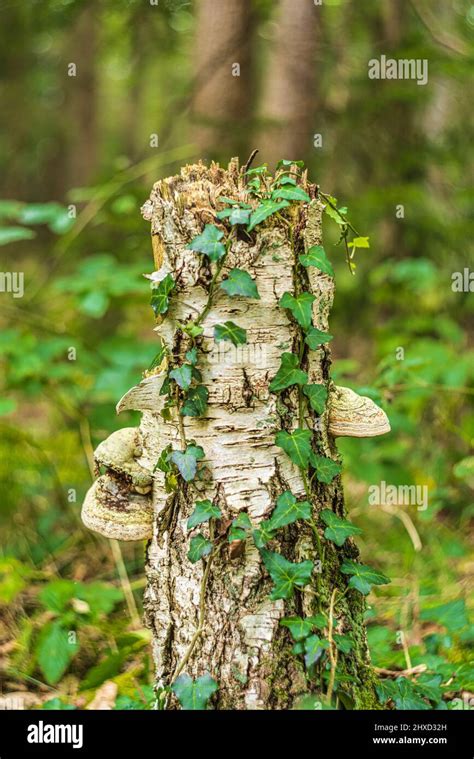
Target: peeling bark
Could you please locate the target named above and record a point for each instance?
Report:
(228, 626)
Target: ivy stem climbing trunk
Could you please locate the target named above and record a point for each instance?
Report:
(219, 614)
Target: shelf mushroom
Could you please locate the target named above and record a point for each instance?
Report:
(353, 415)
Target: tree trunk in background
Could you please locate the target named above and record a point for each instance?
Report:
(239, 641)
(81, 100)
(222, 99)
(289, 97)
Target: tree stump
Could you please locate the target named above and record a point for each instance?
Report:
(220, 615)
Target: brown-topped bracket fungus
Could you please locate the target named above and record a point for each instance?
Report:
(353, 415)
(118, 505)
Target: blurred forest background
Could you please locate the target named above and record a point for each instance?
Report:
(155, 87)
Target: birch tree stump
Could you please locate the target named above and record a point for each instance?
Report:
(217, 617)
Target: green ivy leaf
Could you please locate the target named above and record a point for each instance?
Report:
(239, 282)
(230, 331)
(344, 643)
(54, 651)
(264, 210)
(196, 402)
(182, 375)
(362, 576)
(262, 535)
(299, 628)
(290, 193)
(187, 461)
(326, 469)
(199, 546)
(240, 527)
(288, 163)
(297, 445)
(359, 242)
(163, 460)
(204, 511)
(160, 295)
(338, 530)
(313, 649)
(191, 329)
(300, 307)
(288, 374)
(285, 574)
(317, 396)
(192, 356)
(288, 510)
(316, 256)
(208, 243)
(406, 697)
(14, 234)
(316, 337)
(194, 694)
(235, 215)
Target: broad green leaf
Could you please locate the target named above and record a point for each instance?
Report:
(359, 242)
(204, 511)
(344, 643)
(191, 329)
(288, 510)
(405, 696)
(451, 615)
(14, 234)
(300, 307)
(239, 282)
(182, 375)
(187, 461)
(194, 694)
(54, 651)
(208, 243)
(240, 527)
(199, 546)
(326, 469)
(288, 163)
(235, 215)
(297, 445)
(362, 576)
(264, 210)
(316, 337)
(290, 193)
(262, 535)
(338, 530)
(299, 628)
(163, 460)
(192, 356)
(160, 295)
(230, 331)
(285, 574)
(313, 649)
(317, 396)
(316, 256)
(288, 374)
(196, 401)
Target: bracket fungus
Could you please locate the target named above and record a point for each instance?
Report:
(119, 505)
(353, 415)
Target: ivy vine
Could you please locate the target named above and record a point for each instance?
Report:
(315, 641)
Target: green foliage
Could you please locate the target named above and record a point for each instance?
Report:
(313, 649)
(326, 469)
(296, 444)
(300, 306)
(196, 401)
(338, 530)
(199, 547)
(285, 574)
(209, 243)
(288, 510)
(315, 338)
(160, 295)
(187, 461)
(362, 576)
(182, 375)
(194, 694)
(317, 396)
(316, 256)
(204, 511)
(240, 527)
(231, 332)
(288, 374)
(264, 210)
(54, 651)
(240, 282)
